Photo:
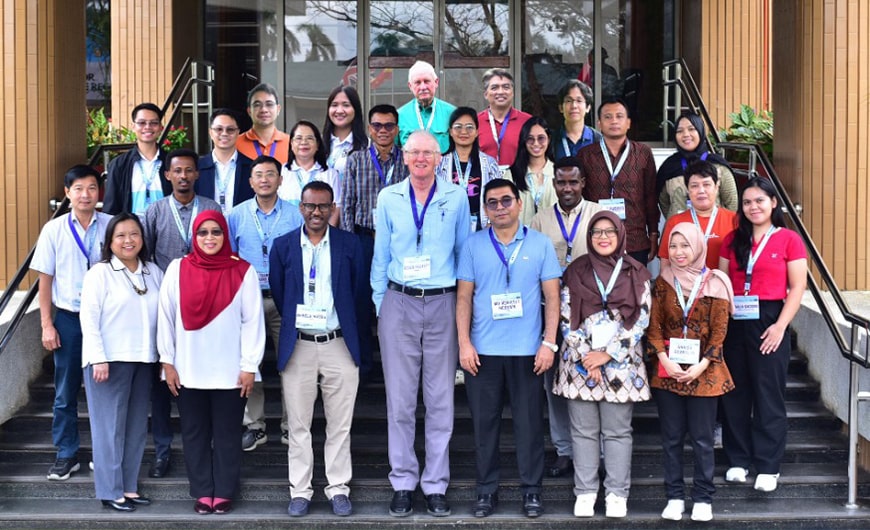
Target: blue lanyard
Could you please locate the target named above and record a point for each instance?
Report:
(377, 163)
(687, 305)
(264, 237)
(260, 151)
(224, 181)
(90, 234)
(155, 169)
(685, 164)
(569, 239)
(418, 219)
(585, 140)
(501, 132)
(311, 174)
(312, 274)
(339, 151)
(463, 178)
(507, 263)
(750, 265)
(186, 235)
(619, 164)
(610, 283)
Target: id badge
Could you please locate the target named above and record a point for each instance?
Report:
(746, 308)
(417, 268)
(263, 277)
(616, 206)
(603, 333)
(310, 317)
(685, 351)
(474, 223)
(509, 305)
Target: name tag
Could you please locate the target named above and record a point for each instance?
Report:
(616, 206)
(685, 351)
(746, 308)
(310, 317)
(474, 223)
(603, 333)
(417, 268)
(263, 277)
(508, 305)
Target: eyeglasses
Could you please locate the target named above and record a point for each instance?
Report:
(505, 202)
(214, 232)
(599, 233)
(469, 127)
(428, 155)
(257, 105)
(542, 139)
(229, 130)
(570, 101)
(142, 123)
(309, 207)
(304, 139)
(377, 126)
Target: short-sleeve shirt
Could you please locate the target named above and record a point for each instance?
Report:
(480, 264)
(726, 222)
(409, 123)
(249, 144)
(505, 152)
(770, 274)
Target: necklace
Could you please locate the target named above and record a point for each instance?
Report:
(139, 290)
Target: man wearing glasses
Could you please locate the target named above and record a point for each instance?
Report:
(425, 112)
(263, 138)
(500, 124)
(421, 226)
(223, 173)
(254, 225)
(135, 179)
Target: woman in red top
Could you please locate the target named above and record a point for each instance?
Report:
(768, 269)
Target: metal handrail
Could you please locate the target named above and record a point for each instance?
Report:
(673, 73)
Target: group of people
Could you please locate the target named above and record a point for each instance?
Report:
(481, 241)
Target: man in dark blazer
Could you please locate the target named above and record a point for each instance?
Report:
(317, 284)
(224, 173)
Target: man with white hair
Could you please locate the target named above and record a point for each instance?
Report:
(425, 111)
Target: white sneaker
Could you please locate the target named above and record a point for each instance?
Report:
(615, 505)
(702, 511)
(766, 482)
(459, 379)
(736, 474)
(674, 510)
(584, 506)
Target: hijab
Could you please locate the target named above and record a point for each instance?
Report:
(207, 283)
(672, 167)
(717, 285)
(628, 290)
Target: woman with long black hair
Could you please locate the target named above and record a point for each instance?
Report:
(532, 171)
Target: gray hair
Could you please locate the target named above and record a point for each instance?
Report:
(421, 67)
(496, 72)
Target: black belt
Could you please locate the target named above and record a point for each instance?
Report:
(359, 229)
(420, 293)
(321, 338)
(267, 293)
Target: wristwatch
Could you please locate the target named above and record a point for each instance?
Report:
(550, 345)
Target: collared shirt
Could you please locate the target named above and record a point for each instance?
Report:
(281, 140)
(408, 122)
(635, 182)
(362, 183)
(509, 144)
(162, 236)
(480, 264)
(57, 254)
(245, 237)
(545, 222)
(445, 229)
(146, 177)
(589, 136)
(322, 282)
(338, 151)
(118, 324)
(225, 180)
(295, 178)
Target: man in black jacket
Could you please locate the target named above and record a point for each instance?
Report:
(224, 173)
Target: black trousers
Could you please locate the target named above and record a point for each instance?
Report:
(496, 377)
(211, 430)
(161, 415)
(366, 360)
(696, 416)
(755, 423)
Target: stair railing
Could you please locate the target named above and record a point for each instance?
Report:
(193, 76)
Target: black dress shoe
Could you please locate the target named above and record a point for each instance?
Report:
(436, 504)
(159, 468)
(561, 466)
(532, 506)
(402, 504)
(140, 500)
(125, 506)
(485, 505)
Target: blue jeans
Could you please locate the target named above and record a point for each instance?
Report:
(67, 382)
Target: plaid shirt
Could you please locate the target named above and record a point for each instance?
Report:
(361, 185)
(635, 182)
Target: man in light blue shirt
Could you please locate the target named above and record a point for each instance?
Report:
(421, 226)
(425, 112)
(502, 273)
(254, 225)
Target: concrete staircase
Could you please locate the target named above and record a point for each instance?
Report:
(811, 494)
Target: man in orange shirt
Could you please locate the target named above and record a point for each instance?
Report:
(263, 138)
(715, 222)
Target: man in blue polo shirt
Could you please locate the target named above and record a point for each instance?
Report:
(254, 225)
(502, 274)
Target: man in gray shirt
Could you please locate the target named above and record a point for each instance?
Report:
(167, 237)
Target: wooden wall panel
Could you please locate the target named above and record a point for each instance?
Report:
(42, 96)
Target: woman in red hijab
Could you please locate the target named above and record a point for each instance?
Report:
(211, 336)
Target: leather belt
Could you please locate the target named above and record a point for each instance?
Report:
(420, 293)
(321, 338)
